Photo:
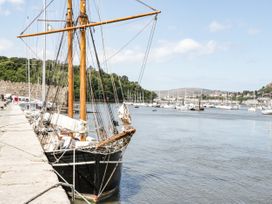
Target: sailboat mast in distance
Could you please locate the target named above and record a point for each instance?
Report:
(70, 60)
(44, 56)
(28, 77)
(83, 83)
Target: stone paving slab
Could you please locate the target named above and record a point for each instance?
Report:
(24, 169)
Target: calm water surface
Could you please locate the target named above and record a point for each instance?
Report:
(215, 156)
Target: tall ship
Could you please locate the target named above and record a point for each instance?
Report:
(85, 151)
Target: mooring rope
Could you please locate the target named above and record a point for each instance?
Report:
(22, 150)
(46, 190)
(83, 197)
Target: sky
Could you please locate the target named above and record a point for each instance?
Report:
(214, 44)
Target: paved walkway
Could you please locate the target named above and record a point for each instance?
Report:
(24, 169)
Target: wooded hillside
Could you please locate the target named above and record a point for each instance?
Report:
(15, 70)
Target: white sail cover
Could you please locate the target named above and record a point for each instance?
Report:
(124, 115)
(66, 122)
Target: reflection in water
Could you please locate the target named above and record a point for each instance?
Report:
(189, 157)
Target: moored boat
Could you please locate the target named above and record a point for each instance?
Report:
(86, 155)
(267, 112)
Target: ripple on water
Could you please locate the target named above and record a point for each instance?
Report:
(210, 157)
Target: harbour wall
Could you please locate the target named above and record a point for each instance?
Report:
(21, 89)
(24, 169)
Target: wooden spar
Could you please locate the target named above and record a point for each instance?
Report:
(83, 82)
(82, 26)
(70, 60)
(116, 137)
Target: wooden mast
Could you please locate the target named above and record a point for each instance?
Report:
(70, 60)
(83, 84)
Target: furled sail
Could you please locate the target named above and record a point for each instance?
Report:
(63, 121)
(124, 115)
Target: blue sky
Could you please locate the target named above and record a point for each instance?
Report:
(215, 44)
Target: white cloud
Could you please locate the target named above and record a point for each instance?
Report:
(187, 48)
(128, 55)
(216, 26)
(14, 2)
(4, 4)
(5, 44)
(254, 31)
(18, 2)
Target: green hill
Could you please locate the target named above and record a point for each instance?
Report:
(15, 70)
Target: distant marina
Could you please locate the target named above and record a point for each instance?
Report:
(197, 101)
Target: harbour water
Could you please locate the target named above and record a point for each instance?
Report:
(215, 156)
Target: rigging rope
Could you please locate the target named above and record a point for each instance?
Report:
(101, 190)
(98, 122)
(130, 41)
(122, 48)
(99, 126)
(55, 70)
(32, 51)
(58, 52)
(113, 121)
(148, 6)
(148, 49)
(121, 87)
(61, 70)
(104, 53)
(41, 12)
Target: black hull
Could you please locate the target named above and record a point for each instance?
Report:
(96, 175)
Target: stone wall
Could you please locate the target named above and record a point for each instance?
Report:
(21, 89)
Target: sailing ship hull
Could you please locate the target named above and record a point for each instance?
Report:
(97, 176)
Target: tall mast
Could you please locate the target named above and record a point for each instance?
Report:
(70, 60)
(28, 77)
(83, 83)
(44, 55)
(28, 74)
